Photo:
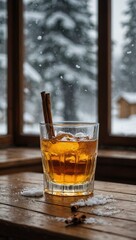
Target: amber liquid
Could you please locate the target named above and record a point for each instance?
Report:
(69, 162)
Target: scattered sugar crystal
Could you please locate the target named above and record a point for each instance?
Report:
(96, 200)
(96, 221)
(90, 220)
(60, 219)
(100, 212)
(32, 192)
(110, 208)
(105, 211)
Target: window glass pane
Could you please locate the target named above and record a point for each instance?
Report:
(3, 67)
(123, 67)
(60, 40)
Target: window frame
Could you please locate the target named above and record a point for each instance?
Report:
(15, 80)
(7, 139)
(19, 139)
(104, 80)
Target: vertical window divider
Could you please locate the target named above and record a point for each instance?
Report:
(17, 69)
(20, 139)
(104, 68)
(7, 140)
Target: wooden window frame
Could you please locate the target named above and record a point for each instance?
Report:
(20, 139)
(104, 80)
(15, 80)
(7, 139)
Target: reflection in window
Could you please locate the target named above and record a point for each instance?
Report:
(124, 67)
(60, 58)
(3, 67)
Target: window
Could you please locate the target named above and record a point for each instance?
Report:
(123, 110)
(60, 57)
(110, 134)
(74, 58)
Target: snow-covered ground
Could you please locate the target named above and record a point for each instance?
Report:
(124, 126)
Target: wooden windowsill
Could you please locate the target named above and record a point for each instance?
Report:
(120, 154)
(117, 166)
(20, 159)
(112, 165)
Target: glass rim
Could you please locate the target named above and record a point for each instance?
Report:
(71, 123)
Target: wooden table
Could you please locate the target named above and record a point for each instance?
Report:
(35, 217)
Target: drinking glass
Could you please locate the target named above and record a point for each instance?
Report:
(69, 157)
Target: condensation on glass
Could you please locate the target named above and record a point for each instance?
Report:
(60, 39)
(3, 67)
(123, 111)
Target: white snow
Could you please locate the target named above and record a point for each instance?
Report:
(71, 75)
(92, 220)
(32, 73)
(31, 128)
(33, 15)
(130, 97)
(80, 17)
(61, 39)
(124, 126)
(32, 192)
(96, 200)
(3, 13)
(3, 129)
(27, 117)
(67, 21)
(75, 49)
(3, 60)
(39, 38)
(107, 213)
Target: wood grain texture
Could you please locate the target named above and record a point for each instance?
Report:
(35, 217)
(13, 160)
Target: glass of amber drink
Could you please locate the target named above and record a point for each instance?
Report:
(69, 157)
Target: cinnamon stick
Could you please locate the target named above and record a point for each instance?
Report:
(74, 208)
(76, 219)
(46, 104)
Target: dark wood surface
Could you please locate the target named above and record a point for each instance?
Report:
(35, 217)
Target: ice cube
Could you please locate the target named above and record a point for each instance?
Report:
(61, 144)
(80, 136)
(68, 138)
(64, 136)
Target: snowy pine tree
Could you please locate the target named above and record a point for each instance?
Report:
(63, 51)
(128, 67)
